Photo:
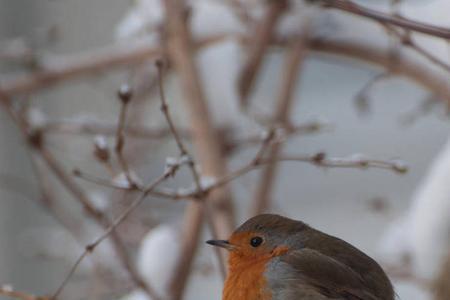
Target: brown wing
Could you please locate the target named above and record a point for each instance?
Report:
(324, 276)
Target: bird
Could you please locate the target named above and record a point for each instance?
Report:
(272, 257)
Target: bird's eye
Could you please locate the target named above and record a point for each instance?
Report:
(256, 241)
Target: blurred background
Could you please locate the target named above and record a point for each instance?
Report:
(359, 108)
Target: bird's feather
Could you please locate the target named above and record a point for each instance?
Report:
(317, 273)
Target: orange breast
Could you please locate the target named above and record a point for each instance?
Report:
(246, 280)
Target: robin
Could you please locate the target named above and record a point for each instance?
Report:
(276, 258)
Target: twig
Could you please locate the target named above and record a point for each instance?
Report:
(48, 199)
(234, 143)
(97, 215)
(266, 141)
(120, 55)
(105, 182)
(439, 286)
(356, 9)
(36, 143)
(292, 65)
(362, 97)
(165, 110)
(179, 45)
(405, 66)
(421, 50)
(204, 134)
(101, 219)
(305, 128)
(240, 11)
(103, 128)
(125, 96)
(257, 48)
(71, 186)
(407, 40)
(318, 159)
(355, 161)
(63, 68)
(113, 225)
(185, 155)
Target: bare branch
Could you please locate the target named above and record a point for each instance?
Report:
(116, 56)
(439, 286)
(362, 97)
(257, 48)
(356, 9)
(36, 144)
(60, 69)
(113, 225)
(404, 65)
(292, 65)
(125, 96)
(291, 130)
(407, 40)
(165, 110)
(98, 216)
(318, 159)
(185, 155)
(208, 148)
(105, 182)
(355, 161)
(104, 128)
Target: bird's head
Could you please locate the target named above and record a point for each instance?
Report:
(261, 237)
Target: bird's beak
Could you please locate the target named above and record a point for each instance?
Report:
(221, 243)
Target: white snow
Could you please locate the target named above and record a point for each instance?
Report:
(121, 180)
(423, 233)
(157, 256)
(99, 199)
(101, 142)
(140, 20)
(207, 181)
(36, 117)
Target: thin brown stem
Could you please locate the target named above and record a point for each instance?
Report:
(181, 54)
(120, 55)
(185, 155)
(407, 40)
(294, 57)
(356, 9)
(362, 97)
(318, 159)
(404, 65)
(258, 47)
(98, 216)
(108, 129)
(125, 96)
(35, 141)
(63, 68)
(113, 225)
(105, 182)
